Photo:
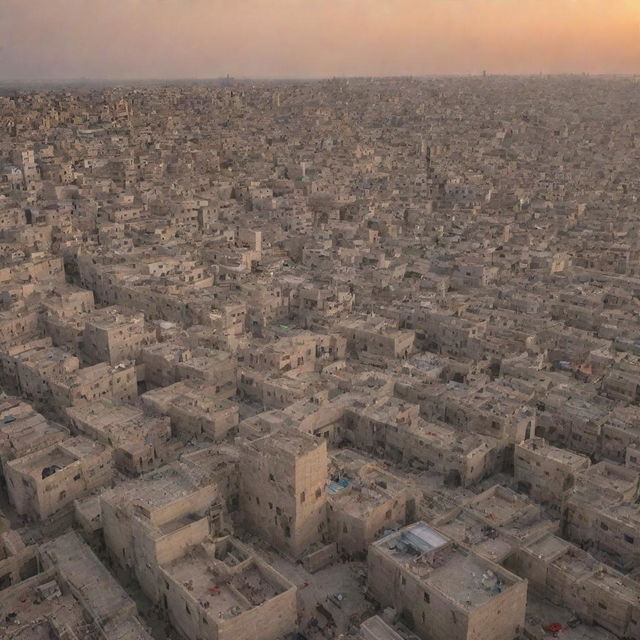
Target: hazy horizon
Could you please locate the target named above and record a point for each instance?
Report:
(46, 83)
(157, 40)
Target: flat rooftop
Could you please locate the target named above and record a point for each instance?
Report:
(467, 581)
(211, 359)
(110, 317)
(414, 541)
(43, 464)
(80, 566)
(549, 547)
(153, 490)
(287, 440)
(561, 456)
(104, 413)
(34, 619)
(195, 572)
(483, 539)
(376, 628)
(29, 432)
(454, 571)
(497, 505)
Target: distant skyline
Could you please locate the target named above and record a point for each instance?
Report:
(168, 39)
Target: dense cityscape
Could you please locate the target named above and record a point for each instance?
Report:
(348, 359)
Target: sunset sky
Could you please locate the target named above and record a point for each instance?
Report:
(125, 39)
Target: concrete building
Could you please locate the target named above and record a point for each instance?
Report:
(195, 409)
(376, 337)
(24, 431)
(18, 560)
(364, 502)
(283, 492)
(247, 595)
(140, 443)
(570, 577)
(443, 590)
(546, 473)
(113, 336)
(601, 513)
(41, 483)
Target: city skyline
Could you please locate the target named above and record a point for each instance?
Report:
(167, 39)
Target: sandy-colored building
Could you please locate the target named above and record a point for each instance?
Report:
(377, 337)
(601, 514)
(24, 431)
(283, 494)
(546, 473)
(17, 559)
(444, 591)
(140, 443)
(195, 409)
(41, 483)
(572, 578)
(164, 528)
(216, 589)
(364, 502)
(114, 336)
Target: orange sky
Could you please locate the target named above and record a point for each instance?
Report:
(53, 39)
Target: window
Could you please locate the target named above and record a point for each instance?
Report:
(426, 596)
(629, 539)
(302, 497)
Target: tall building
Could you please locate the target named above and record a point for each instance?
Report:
(283, 494)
